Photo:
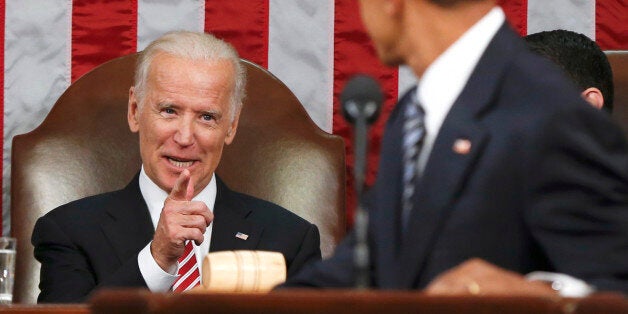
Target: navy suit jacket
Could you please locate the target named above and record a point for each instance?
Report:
(543, 187)
(94, 242)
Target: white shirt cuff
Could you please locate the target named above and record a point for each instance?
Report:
(156, 278)
(565, 285)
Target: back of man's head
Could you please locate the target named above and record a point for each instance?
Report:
(580, 57)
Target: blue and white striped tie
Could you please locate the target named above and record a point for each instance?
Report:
(413, 134)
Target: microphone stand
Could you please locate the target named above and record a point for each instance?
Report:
(361, 99)
(361, 251)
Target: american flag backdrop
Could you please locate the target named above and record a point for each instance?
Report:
(313, 46)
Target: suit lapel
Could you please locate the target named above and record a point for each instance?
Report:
(229, 220)
(128, 227)
(383, 212)
(448, 168)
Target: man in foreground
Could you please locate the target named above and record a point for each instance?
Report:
(492, 169)
(185, 105)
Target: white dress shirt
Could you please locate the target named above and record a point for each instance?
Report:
(156, 278)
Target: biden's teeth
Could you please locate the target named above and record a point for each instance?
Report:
(180, 164)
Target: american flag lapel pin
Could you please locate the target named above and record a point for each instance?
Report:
(242, 236)
(462, 146)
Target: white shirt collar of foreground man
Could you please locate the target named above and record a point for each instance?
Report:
(444, 79)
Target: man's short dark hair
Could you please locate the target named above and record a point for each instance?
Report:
(580, 57)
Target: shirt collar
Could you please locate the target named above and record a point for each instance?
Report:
(155, 197)
(444, 79)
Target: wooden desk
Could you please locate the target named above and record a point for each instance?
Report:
(45, 309)
(328, 301)
(345, 301)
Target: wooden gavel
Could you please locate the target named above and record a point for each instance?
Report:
(242, 271)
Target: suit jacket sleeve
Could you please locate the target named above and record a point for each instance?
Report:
(578, 210)
(66, 273)
(335, 272)
(308, 252)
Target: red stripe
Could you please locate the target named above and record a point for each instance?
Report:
(244, 24)
(101, 31)
(354, 53)
(517, 14)
(611, 25)
(2, 19)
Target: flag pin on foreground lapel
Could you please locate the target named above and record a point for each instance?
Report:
(462, 146)
(242, 236)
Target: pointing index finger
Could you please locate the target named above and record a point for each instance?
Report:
(183, 189)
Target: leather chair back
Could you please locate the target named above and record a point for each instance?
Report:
(84, 147)
(619, 65)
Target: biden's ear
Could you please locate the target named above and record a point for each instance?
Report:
(233, 127)
(133, 111)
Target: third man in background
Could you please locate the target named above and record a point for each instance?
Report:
(582, 60)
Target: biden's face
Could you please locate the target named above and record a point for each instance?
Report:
(185, 118)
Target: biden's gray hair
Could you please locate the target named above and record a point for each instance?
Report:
(192, 46)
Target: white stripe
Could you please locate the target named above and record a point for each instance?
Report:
(573, 15)
(300, 53)
(37, 70)
(157, 17)
(187, 258)
(194, 283)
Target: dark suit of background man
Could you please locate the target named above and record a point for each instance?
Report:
(517, 173)
(185, 105)
(582, 60)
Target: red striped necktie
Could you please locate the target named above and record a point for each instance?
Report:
(189, 276)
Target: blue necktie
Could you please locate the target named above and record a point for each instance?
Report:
(413, 135)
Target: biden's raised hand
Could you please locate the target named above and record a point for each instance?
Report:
(181, 219)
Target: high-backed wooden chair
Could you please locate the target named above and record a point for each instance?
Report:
(84, 147)
(619, 64)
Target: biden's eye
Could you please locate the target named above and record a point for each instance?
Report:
(207, 117)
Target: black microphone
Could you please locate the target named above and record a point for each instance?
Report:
(361, 102)
(362, 96)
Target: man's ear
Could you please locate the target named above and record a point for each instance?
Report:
(133, 111)
(233, 127)
(593, 96)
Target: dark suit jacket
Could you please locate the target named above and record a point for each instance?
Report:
(544, 186)
(94, 242)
